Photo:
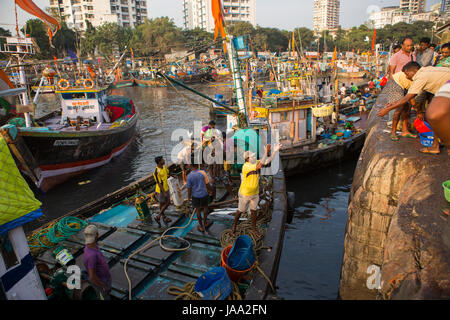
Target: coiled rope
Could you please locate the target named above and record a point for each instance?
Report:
(160, 240)
(188, 292)
(56, 232)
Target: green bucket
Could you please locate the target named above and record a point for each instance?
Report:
(446, 186)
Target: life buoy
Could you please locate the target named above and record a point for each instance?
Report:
(63, 84)
(88, 83)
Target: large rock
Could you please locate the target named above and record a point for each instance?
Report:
(395, 221)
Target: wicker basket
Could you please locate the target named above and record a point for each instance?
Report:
(324, 111)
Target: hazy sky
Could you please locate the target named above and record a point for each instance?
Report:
(283, 14)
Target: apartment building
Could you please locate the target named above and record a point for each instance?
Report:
(414, 6)
(326, 15)
(127, 13)
(198, 14)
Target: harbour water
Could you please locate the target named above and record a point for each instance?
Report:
(311, 260)
(313, 242)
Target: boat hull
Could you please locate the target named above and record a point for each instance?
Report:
(123, 83)
(298, 161)
(149, 83)
(63, 155)
(351, 74)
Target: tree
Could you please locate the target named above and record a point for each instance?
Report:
(89, 40)
(64, 40)
(241, 28)
(37, 30)
(110, 37)
(157, 35)
(306, 36)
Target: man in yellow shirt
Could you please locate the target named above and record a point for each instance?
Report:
(249, 190)
(162, 189)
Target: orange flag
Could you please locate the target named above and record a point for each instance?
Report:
(374, 37)
(33, 9)
(216, 8)
(91, 71)
(334, 56)
(293, 43)
(5, 78)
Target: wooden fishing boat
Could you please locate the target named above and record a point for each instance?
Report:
(301, 159)
(297, 126)
(155, 270)
(121, 83)
(87, 131)
(359, 74)
(149, 83)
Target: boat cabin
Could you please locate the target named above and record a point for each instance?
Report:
(85, 105)
(296, 124)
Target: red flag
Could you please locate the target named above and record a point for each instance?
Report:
(4, 77)
(33, 9)
(216, 8)
(374, 38)
(91, 71)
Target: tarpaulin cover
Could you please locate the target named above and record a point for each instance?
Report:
(16, 198)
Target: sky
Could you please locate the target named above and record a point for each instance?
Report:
(282, 14)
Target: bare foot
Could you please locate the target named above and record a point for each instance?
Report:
(200, 228)
(209, 224)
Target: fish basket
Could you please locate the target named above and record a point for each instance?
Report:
(426, 139)
(325, 111)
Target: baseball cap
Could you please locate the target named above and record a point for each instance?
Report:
(90, 233)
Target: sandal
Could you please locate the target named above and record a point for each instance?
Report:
(395, 138)
(167, 220)
(427, 151)
(410, 135)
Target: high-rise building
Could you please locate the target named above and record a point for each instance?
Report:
(198, 14)
(414, 6)
(127, 13)
(445, 6)
(326, 15)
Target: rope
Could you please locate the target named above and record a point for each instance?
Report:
(159, 239)
(188, 292)
(56, 232)
(188, 98)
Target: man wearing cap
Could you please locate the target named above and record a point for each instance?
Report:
(249, 190)
(96, 264)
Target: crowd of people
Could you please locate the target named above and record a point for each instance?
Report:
(418, 81)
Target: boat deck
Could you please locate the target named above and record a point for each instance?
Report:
(154, 270)
(54, 124)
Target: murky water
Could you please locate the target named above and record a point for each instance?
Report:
(162, 110)
(313, 244)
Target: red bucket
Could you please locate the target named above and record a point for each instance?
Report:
(234, 275)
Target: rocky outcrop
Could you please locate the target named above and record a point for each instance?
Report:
(397, 239)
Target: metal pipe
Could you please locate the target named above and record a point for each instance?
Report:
(181, 84)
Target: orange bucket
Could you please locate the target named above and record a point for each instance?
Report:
(234, 275)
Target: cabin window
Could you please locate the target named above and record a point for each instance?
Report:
(74, 95)
(301, 114)
(8, 252)
(90, 95)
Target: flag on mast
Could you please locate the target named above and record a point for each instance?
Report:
(216, 8)
(374, 38)
(30, 7)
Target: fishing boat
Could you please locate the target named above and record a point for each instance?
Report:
(121, 83)
(360, 74)
(149, 83)
(88, 130)
(164, 272)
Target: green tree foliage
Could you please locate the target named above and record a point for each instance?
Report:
(160, 35)
(157, 35)
(36, 29)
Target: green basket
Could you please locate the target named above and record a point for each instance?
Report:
(446, 186)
